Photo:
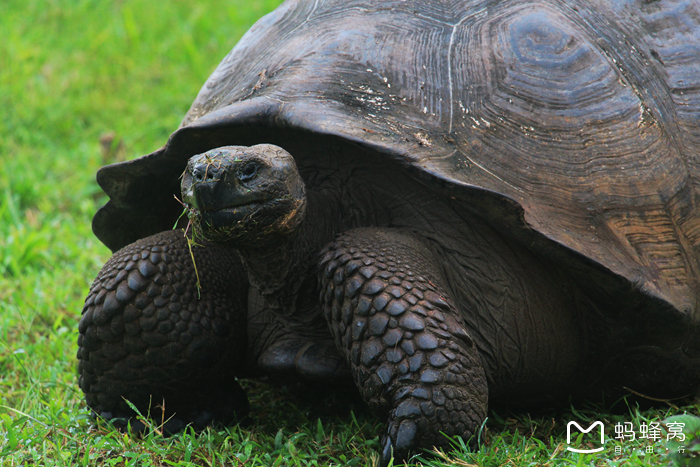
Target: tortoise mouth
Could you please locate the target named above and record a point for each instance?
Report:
(242, 225)
(213, 217)
(247, 205)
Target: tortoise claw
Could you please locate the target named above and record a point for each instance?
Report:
(387, 451)
(401, 438)
(406, 437)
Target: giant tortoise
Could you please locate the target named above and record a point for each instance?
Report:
(449, 203)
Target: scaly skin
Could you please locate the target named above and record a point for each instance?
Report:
(148, 335)
(404, 339)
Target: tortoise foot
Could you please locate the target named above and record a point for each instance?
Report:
(222, 407)
(309, 362)
(407, 346)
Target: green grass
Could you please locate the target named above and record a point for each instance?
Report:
(88, 82)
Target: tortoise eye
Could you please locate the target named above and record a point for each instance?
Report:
(248, 171)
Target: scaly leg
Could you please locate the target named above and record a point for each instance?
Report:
(407, 346)
(148, 335)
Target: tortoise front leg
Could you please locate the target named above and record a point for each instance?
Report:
(411, 357)
(148, 335)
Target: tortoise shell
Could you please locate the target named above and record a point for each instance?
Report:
(573, 127)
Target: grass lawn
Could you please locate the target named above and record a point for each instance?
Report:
(89, 82)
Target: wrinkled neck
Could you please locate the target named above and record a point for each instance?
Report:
(278, 271)
(280, 268)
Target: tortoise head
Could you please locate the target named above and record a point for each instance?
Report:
(244, 195)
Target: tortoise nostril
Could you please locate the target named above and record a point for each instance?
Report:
(197, 174)
(205, 172)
